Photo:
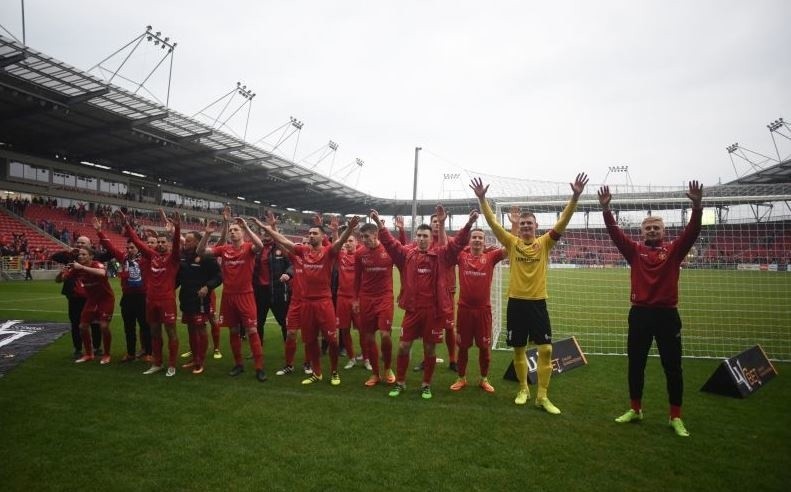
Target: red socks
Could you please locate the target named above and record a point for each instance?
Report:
(464, 354)
(484, 359)
(429, 363)
(387, 352)
(156, 344)
(255, 346)
(236, 348)
(291, 350)
(402, 361)
(87, 345)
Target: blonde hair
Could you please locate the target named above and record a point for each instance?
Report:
(652, 218)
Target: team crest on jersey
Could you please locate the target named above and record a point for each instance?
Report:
(483, 260)
(278, 252)
(662, 255)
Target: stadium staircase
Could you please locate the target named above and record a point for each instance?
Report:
(84, 227)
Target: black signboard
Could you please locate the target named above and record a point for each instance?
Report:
(566, 355)
(20, 339)
(741, 375)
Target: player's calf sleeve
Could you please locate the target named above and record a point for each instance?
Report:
(430, 362)
(192, 340)
(402, 361)
(202, 345)
(236, 348)
(450, 343)
(347, 343)
(484, 359)
(314, 354)
(156, 348)
(291, 350)
(87, 344)
(215, 335)
(520, 366)
(173, 351)
(387, 352)
(544, 369)
(334, 351)
(464, 355)
(373, 356)
(107, 339)
(255, 347)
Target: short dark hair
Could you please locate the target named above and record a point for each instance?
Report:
(197, 235)
(368, 227)
(319, 227)
(424, 227)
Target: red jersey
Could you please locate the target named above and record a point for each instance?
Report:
(95, 287)
(296, 282)
(655, 268)
(237, 267)
(162, 268)
(475, 277)
(346, 273)
(373, 274)
(317, 266)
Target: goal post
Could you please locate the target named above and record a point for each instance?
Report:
(735, 284)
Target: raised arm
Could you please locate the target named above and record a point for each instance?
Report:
(625, 245)
(513, 218)
(130, 232)
(175, 252)
(258, 245)
(690, 233)
(442, 215)
(461, 240)
(396, 250)
(115, 252)
(576, 187)
(280, 239)
(505, 238)
(350, 226)
(97, 271)
(399, 224)
(208, 230)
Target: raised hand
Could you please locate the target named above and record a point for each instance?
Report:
(399, 222)
(210, 227)
(175, 219)
(513, 215)
(478, 188)
(604, 196)
(121, 217)
(374, 215)
(695, 193)
(473, 217)
(579, 184)
(270, 218)
(441, 213)
(318, 219)
(334, 223)
(226, 213)
(97, 224)
(163, 217)
(353, 222)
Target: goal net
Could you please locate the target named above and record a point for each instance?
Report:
(735, 287)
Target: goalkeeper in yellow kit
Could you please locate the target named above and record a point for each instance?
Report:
(527, 318)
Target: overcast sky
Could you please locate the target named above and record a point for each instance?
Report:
(530, 90)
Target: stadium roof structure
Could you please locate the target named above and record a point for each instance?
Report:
(49, 108)
(779, 173)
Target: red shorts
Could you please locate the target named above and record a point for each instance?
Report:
(449, 319)
(97, 311)
(318, 315)
(238, 310)
(376, 314)
(474, 324)
(423, 323)
(195, 319)
(161, 311)
(292, 317)
(346, 317)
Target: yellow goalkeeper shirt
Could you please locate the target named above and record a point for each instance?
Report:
(529, 261)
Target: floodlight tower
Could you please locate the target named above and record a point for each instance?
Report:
(745, 154)
(323, 152)
(777, 126)
(157, 40)
(246, 95)
(620, 170)
(289, 128)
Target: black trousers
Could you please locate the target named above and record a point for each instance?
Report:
(75, 309)
(133, 312)
(266, 299)
(664, 325)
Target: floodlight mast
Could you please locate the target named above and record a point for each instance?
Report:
(414, 191)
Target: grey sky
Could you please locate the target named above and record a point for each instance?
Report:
(535, 90)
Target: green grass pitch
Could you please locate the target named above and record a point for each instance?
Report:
(64, 426)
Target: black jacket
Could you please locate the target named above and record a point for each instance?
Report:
(195, 272)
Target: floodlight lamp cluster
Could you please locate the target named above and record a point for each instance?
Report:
(359, 162)
(618, 169)
(732, 148)
(244, 91)
(158, 40)
(451, 176)
(296, 123)
(775, 125)
(332, 145)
